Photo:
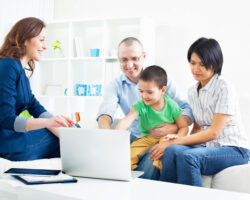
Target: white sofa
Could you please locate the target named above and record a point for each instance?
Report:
(236, 178)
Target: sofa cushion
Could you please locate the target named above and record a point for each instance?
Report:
(234, 178)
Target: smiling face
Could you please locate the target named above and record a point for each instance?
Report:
(35, 46)
(131, 60)
(199, 71)
(150, 93)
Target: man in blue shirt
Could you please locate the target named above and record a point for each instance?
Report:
(124, 92)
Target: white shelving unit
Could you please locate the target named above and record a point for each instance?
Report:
(68, 68)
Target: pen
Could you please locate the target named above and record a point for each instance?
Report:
(76, 125)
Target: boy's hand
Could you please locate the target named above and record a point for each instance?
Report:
(171, 136)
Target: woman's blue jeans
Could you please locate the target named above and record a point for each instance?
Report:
(186, 164)
(41, 143)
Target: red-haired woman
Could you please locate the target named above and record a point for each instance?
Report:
(25, 138)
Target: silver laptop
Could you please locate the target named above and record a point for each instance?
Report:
(96, 153)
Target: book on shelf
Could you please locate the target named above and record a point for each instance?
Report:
(78, 47)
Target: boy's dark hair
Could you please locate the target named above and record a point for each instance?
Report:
(156, 74)
(209, 51)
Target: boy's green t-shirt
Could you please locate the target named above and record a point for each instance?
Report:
(150, 118)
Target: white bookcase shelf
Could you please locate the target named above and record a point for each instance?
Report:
(74, 67)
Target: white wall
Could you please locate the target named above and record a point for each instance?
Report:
(180, 23)
(12, 11)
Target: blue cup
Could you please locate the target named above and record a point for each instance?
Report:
(94, 52)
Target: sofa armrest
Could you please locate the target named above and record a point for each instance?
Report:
(234, 178)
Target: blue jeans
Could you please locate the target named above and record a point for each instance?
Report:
(146, 165)
(41, 143)
(132, 138)
(186, 164)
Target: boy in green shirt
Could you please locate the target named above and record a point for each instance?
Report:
(154, 108)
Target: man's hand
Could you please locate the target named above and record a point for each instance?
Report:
(163, 129)
(104, 122)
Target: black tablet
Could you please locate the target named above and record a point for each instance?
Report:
(34, 172)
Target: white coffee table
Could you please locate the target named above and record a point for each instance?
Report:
(96, 189)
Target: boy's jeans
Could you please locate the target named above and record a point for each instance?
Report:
(146, 165)
(186, 164)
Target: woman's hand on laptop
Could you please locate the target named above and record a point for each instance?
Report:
(59, 121)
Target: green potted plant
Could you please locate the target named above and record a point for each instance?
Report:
(56, 46)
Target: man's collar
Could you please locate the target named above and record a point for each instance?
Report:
(126, 80)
